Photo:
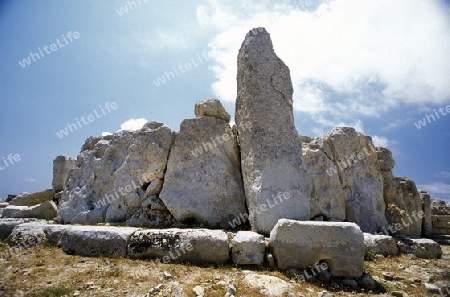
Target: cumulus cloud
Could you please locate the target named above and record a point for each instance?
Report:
(380, 141)
(133, 124)
(436, 188)
(348, 58)
(444, 174)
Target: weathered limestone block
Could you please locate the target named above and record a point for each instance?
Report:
(211, 107)
(248, 248)
(151, 213)
(27, 199)
(270, 150)
(175, 245)
(359, 171)
(61, 168)
(327, 195)
(439, 207)
(7, 225)
(115, 174)
(301, 244)
(420, 247)
(385, 159)
(403, 205)
(46, 210)
(203, 183)
(427, 227)
(27, 235)
(96, 241)
(381, 244)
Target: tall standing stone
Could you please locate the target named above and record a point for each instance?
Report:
(271, 158)
(61, 168)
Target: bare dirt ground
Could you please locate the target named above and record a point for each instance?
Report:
(48, 271)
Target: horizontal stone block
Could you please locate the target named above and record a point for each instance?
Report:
(7, 225)
(420, 247)
(97, 241)
(248, 248)
(382, 244)
(175, 245)
(299, 244)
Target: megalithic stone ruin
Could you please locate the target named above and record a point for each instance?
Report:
(275, 181)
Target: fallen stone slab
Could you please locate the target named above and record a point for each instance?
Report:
(54, 233)
(46, 210)
(27, 235)
(7, 225)
(381, 244)
(94, 241)
(442, 239)
(420, 247)
(300, 244)
(176, 245)
(248, 248)
(27, 199)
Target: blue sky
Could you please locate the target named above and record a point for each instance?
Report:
(377, 65)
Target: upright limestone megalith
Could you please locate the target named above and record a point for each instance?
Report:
(275, 181)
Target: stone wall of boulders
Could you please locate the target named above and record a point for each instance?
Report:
(314, 196)
(210, 174)
(440, 218)
(441, 225)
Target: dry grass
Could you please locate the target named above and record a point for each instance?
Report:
(47, 271)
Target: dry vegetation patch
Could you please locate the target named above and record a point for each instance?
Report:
(47, 271)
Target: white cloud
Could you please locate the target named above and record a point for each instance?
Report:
(348, 58)
(380, 141)
(29, 179)
(444, 174)
(436, 188)
(133, 124)
(106, 133)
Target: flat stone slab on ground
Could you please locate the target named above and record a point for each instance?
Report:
(7, 225)
(175, 245)
(46, 210)
(381, 244)
(420, 247)
(299, 244)
(27, 199)
(94, 241)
